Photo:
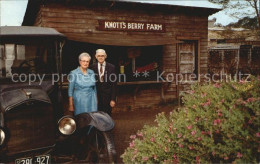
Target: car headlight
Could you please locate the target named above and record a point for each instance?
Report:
(67, 125)
(2, 136)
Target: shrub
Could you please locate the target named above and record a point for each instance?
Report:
(218, 123)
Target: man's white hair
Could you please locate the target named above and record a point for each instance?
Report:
(101, 51)
(84, 54)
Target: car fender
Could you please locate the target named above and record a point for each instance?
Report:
(100, 120)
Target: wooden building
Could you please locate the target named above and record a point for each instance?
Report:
(233, 50)
(155, 41)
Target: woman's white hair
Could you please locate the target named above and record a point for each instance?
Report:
(101, 51)
(84, 54)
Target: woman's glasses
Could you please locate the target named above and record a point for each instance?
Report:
(84, 61)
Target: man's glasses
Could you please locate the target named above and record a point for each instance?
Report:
(100, 56)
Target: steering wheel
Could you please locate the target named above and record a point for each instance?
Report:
(27, 66)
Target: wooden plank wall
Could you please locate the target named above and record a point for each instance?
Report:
(80, 23)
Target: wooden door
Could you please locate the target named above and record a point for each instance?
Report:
(187, 63)
(187, 66)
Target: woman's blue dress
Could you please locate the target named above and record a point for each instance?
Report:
(82, 88)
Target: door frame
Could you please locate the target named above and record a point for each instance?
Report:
(180, 40)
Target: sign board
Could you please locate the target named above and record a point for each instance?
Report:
(107, 25)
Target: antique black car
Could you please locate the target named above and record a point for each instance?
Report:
(33, 124)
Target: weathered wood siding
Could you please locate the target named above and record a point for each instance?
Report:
(80, 23)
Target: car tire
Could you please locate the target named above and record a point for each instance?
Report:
(101, 148)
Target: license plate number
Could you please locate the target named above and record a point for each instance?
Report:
(42, 159)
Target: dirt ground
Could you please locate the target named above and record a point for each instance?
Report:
(129, 122)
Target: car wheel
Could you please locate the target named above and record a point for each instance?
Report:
(101, 148)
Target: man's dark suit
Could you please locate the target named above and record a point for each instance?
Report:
(106, 91)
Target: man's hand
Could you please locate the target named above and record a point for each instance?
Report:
(70, 113)
(112, 103)
(71, 106)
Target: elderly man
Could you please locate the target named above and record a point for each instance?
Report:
(106, 82)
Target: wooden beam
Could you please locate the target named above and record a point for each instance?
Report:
(91, 2)
(112, 4)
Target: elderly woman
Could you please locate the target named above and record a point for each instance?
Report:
(82, 88)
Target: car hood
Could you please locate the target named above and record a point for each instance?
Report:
(14, 97)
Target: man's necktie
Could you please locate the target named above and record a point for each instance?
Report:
(101, 73)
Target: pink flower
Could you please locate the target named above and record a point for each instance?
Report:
(206, 103)
(251, 99)
(174, 156)
(166, 149)
(145, 158)
(217, 85)
(193, 132)
(258, 134)
(225, 158)
(198, 159)
(217, 121)
(179, 135)
(140, 134)
(136, 150)
(152, 139)
(190, 147)
(242, 82)
(132, 144)
(199, 138)
(180, 145)
(213, 153)
(133, 136)
(239, 155)
(170, 128)
(239, 100)
(204, 94)
(203, 132)
(189, 127)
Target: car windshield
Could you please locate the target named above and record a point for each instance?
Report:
(29, 58)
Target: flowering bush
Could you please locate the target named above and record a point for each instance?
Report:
(218, 123)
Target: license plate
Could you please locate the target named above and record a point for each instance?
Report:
(42, 159)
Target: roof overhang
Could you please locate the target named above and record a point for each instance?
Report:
(13, 32)
(33, 7)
